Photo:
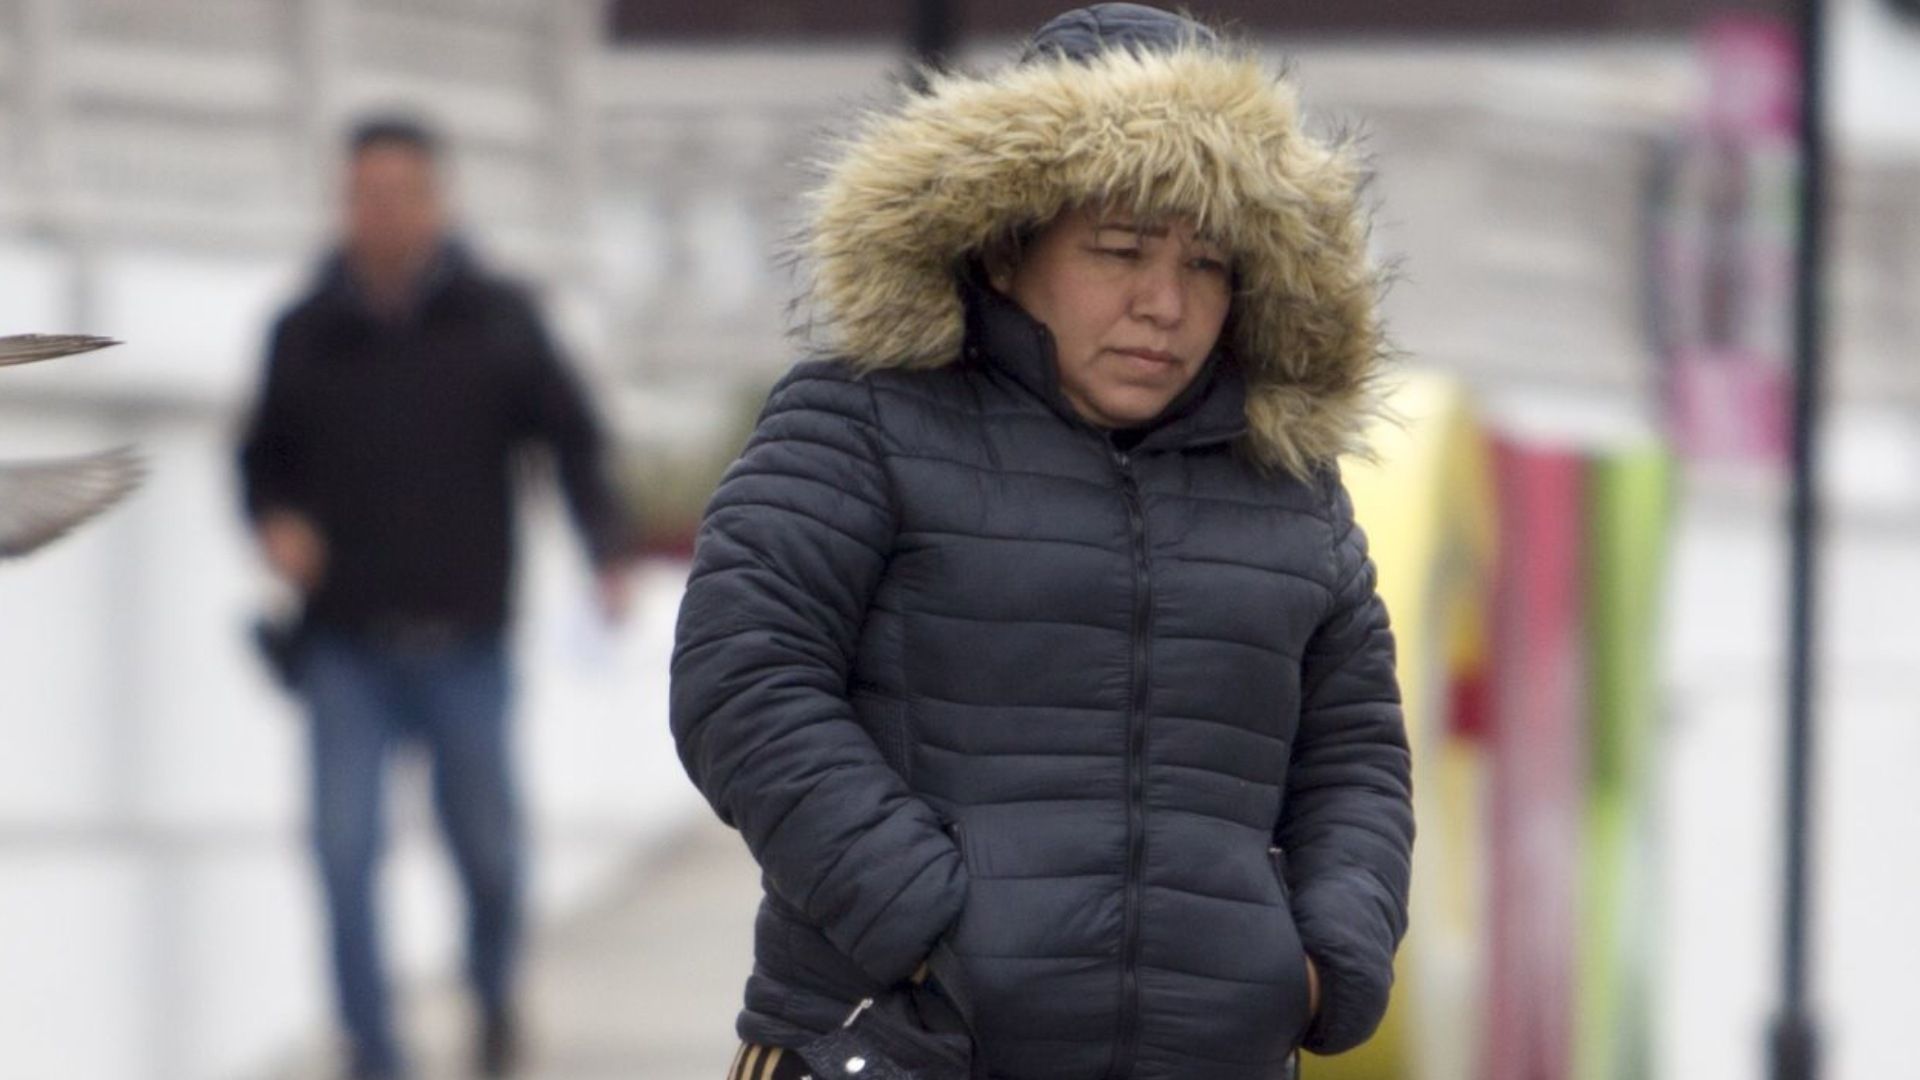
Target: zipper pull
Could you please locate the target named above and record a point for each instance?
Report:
(865, 1004)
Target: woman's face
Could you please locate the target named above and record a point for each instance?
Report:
(1134, 308)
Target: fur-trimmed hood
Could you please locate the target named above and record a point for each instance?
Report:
(1196, 128)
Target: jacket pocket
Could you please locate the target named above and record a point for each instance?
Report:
(1277, 858)
(1303, 1011)
(957, 832)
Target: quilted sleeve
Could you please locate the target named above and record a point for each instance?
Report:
(785, 564)
(271, 464)
(1347, 822)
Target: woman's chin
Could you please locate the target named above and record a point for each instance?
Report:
(1130, 410)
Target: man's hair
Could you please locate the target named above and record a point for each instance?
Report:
(393, 130)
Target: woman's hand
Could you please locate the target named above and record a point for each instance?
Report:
(1313, 991)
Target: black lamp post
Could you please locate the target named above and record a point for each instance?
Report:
(1795, 1043)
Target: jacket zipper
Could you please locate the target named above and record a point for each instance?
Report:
(1136, 774)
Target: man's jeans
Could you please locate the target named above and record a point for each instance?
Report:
(449, 695)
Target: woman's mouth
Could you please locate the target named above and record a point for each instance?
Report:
(1151, 356)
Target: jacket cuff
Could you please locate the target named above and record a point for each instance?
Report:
(259, 507)
(1350, 1011)
(1355, 983)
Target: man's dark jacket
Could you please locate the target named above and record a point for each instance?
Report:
(1120, 727)
(399, 438)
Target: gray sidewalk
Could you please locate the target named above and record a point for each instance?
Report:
(643, 986)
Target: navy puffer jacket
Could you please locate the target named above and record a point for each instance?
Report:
(1110, 725)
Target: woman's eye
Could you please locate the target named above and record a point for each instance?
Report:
(1120, 252)
(1210, 265)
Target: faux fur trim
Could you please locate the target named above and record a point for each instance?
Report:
(1199, 130)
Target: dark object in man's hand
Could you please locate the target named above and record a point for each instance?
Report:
(282, 643)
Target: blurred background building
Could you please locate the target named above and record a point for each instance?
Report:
(167, 170)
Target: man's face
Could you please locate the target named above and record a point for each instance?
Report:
(394, 213)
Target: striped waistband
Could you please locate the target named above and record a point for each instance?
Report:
(752, 1062)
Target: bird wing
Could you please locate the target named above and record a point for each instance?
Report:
(27, 348)
(41, 500)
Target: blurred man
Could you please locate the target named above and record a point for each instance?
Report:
(378, 474)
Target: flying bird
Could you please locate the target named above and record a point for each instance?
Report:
(26, 348)
(40, 501)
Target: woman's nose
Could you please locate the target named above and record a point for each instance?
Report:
(1160, 293)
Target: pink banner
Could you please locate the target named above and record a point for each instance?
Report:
(1538, 752)
(1724, 282)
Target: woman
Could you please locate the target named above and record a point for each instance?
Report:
(1031, 644)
